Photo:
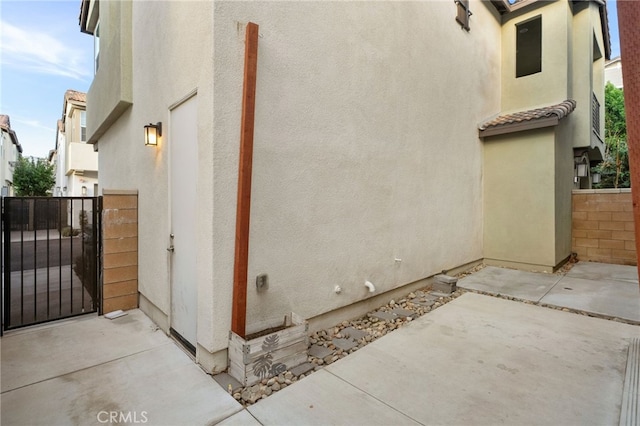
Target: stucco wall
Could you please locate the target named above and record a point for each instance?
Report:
(171, 63)
(563, 188)
(362, 154)
(549, 86)
(588, 75)
(366, 147)
(520, 199)
(110, 93)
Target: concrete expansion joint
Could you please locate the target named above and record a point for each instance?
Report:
(556, 307)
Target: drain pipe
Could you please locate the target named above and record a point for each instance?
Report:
(241, 260)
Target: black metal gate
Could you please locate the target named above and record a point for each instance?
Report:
(50, 259)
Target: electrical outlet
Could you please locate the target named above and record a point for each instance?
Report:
(262, 282)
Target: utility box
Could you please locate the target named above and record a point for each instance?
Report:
(445, 284)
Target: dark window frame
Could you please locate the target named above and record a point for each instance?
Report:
(529, 49)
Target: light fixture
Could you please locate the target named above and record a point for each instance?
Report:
(582, 169)
(152, 132)
(582, 165)
(595, 177)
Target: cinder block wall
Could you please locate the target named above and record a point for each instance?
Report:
(603, 228)
(119, 250)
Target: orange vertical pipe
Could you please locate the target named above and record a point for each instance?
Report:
(239, 307)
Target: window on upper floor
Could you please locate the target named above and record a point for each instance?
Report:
(96, 48)
(83, 126)
(529, 47)
(463, 13)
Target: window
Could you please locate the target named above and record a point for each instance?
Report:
(463, 13)
(595, 114)
(529, 47)
(83, 126)
(96, 47)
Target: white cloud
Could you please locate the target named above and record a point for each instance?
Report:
(39, 52)
(35, 124)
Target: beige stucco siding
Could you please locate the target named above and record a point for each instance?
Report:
(527, 197)
(360, 156)
(588, 74)
(563, 188)
(519, 201)
(172, 60)
(111, 91)
(550, 85)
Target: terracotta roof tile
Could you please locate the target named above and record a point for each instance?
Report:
(560, 110)
(72, 95)
(4, 121)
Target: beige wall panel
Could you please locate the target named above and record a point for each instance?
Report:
(519, 204)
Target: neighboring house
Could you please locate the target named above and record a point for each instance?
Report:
(56, 158)
(613, 72)
(393, 140)
(76, 162)
(10, 149)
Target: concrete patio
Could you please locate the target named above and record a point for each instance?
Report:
(476, 360)
(599, 288)
(79, 371)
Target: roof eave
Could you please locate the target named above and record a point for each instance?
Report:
(606, 36)
(519, 127)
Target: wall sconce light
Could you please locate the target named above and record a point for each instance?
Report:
(84, 191)
(582, 169)
(595, 177)
(582, 166)
(152, 132)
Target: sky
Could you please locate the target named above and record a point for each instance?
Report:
(43, 53)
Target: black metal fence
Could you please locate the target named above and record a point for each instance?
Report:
(51, 258)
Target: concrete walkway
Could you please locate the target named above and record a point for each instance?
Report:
(80, 371)
(476, 360)
(599, 288)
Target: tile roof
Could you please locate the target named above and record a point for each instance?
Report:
(5, 124)
(72, 95)
(4, 121)
(519, 120)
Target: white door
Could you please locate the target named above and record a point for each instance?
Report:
(183, 166)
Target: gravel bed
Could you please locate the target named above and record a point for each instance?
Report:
(404, 310)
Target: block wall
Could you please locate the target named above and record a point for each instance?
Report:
(603, 228)
(119, 251)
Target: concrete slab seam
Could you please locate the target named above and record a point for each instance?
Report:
(372, 396)
(85, 368)
(556, 307)
(551, 288)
